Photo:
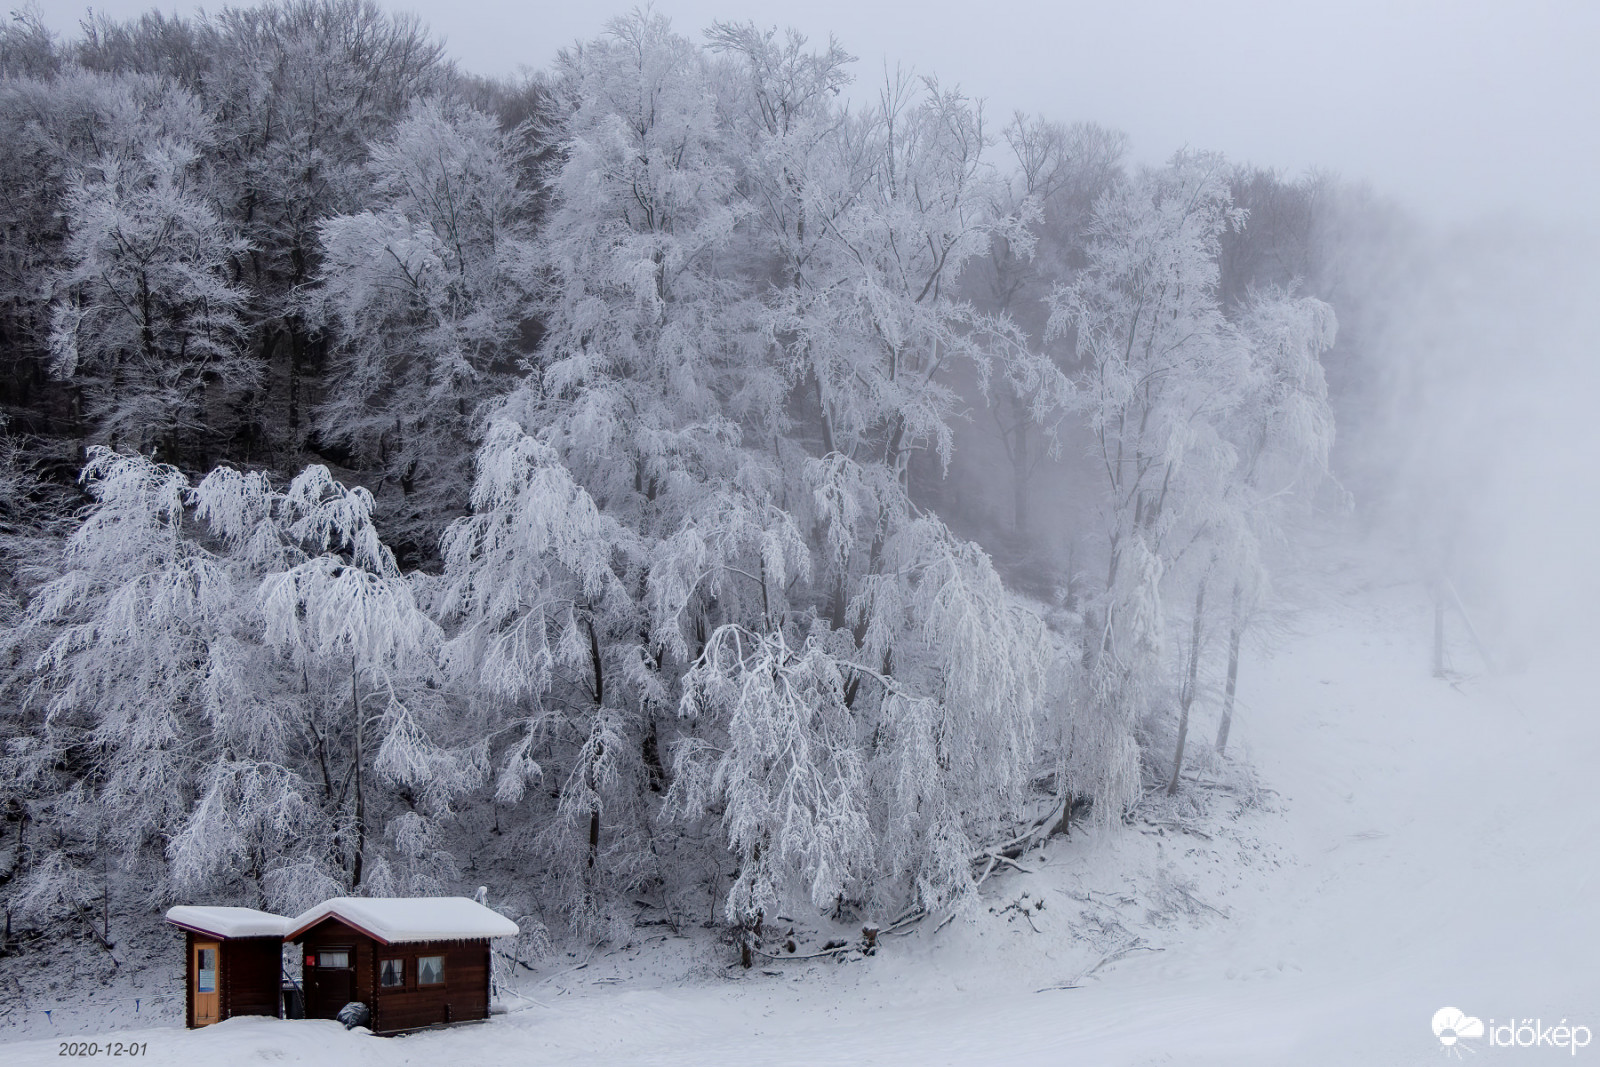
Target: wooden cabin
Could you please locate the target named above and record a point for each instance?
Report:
(414, 961)
(235, 962)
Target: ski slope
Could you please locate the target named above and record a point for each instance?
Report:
(1429, 843)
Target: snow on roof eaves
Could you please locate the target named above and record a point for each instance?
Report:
(228, 922)
(399, 919)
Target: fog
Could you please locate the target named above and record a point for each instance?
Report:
(1480, 120)
(1499, 383)
(1461, 108)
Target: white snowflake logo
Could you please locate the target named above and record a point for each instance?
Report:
(1450, 1025)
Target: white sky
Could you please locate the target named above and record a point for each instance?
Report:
(1459, 107)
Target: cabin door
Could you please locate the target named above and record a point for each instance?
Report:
(330, 982)
(207, 972)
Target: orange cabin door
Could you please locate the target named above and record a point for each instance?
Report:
(206, 969)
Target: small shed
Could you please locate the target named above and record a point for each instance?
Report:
(413, 961)
(235, 961)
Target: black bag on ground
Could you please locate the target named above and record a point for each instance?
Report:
(354, 1014)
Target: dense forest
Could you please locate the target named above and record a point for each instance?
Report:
(686, 474)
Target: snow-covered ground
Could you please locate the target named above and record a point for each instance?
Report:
(1416, 844)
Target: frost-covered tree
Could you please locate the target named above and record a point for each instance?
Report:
(425, 293)
(638, 321)
(531, 587)
(1055, 173)
(612, 488)
(345, 613)
(1283, 432)
(238, 694)
(145, 315)
(790, 779)
(862, 783)
(301, 88)
(868, 220)
(27, 47)
(354, 742)
(1160, 371)
(122, 631)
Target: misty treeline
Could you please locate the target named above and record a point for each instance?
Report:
(686, 474)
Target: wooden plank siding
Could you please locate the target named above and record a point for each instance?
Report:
(463, 996)
(252, 969)
(188, 979)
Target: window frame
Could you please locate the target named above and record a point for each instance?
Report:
(349, 956)
(201, 970)
(405, 974)
(443, 973)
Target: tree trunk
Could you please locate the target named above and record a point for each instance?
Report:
(1022, 503)
(838, 604)
(1438, 630)
(592, 776)
(828, 447)
(749, 930)
(294, 386)
(594, 842)
(361, 798)
(1235, 637)
(105, 896)
(1186, 695)
(749, 936)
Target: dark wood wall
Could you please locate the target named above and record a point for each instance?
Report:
(463, 996)
(252, 969)
(188, 978)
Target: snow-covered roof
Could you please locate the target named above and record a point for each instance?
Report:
(228, 922)
(397, 919)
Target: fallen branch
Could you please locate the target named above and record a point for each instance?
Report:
(818, 955)
(1040, 830)
(88, 922)
(990, 859)
(1191, 899)
(867, 946)
(907, 919)
(1182, 828)
(521, 963)
(1136, 945)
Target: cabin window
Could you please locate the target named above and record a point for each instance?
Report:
(333, 959)
(392, 974)
(430, 970)
(206, 966)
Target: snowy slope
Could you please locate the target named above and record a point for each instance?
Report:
(1424, 844)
